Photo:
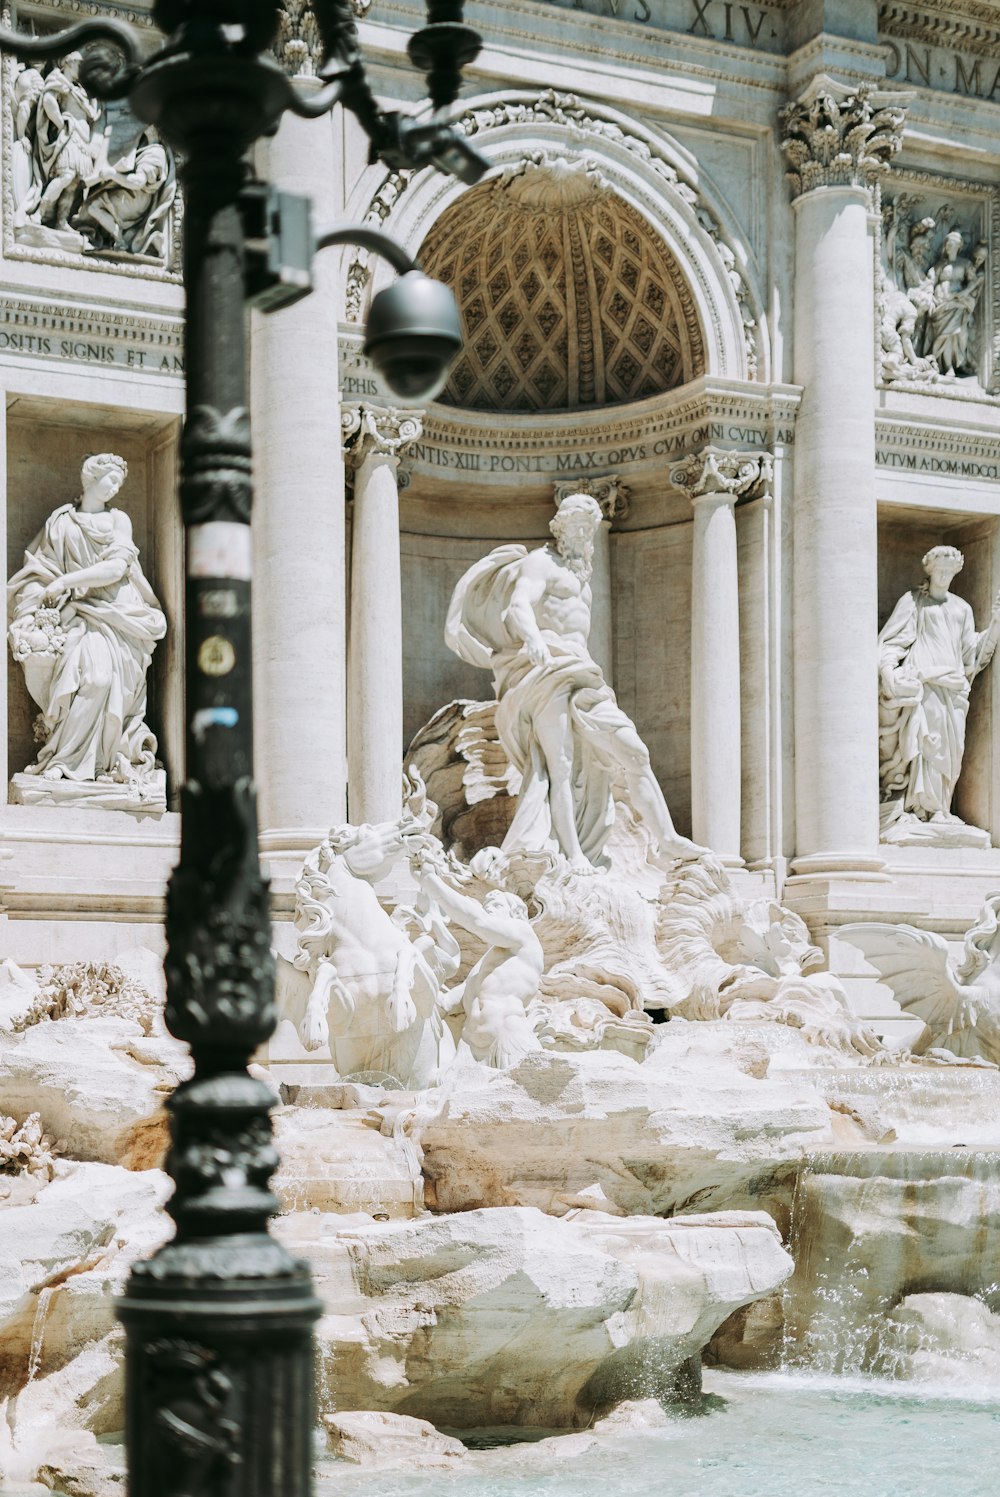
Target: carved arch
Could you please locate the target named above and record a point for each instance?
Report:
(646, 169)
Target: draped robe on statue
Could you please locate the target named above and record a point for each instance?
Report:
(478, 631)
(921, 743)
(92, 691)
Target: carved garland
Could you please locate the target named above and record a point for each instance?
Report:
(552, 107)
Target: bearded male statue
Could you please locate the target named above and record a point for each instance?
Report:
(525, 615)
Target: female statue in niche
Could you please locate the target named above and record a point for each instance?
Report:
(83, 626)
(929, 653)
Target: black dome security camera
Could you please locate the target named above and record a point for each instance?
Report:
(413, 334)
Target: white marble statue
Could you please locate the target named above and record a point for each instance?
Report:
(526, 616)
(959, 1001)
(374, 995)
(67, 144)
(495, 995)
(957, 287)
(84, 622)
(929, 653)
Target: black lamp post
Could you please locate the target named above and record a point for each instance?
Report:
(219, 1399)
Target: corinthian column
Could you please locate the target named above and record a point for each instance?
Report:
(714, 479)
(613, 496)
(837, 142)
(374, 437)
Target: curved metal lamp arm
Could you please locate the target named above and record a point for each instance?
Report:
(309, 106)
(100, 72)
(369, 239)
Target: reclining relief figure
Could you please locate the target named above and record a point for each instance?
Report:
(526, 616)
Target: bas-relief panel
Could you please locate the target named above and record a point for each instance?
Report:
(651, 583)
(938, 283)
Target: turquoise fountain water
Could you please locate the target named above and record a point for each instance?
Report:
(761, 1435)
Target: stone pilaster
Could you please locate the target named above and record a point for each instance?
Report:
(374, 438)
(300, 628)
(837, 142)
(613, 497)
(714, 479)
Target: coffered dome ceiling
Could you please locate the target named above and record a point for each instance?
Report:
(568, 298)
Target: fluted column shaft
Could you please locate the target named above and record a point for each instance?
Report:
(376, 437)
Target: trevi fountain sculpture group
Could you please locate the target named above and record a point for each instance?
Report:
(487, 1092)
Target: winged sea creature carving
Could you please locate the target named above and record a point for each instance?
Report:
(958, 999)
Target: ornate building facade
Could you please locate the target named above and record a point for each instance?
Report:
(735, 272)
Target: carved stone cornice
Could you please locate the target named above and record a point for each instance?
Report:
(298, 45)
(834, 136)
(379, 430)
(717, 472)
(611, 494)
(969, 27)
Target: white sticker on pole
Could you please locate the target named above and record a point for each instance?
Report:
(219, 549)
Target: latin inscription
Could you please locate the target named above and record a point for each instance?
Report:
(757, 26)
(598, 460)
(91, 351)
(919, 462)
(921, 66)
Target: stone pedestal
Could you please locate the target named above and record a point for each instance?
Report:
(837, 143)
(613, 497)
(714, 479)
(299, 552)
(375, 437)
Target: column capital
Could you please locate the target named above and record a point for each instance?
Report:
(611, 494)
(298, 45)
(837, 136)
(718, 473)
(377, 429)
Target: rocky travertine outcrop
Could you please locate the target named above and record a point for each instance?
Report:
(332, 1160)
(559, 1131)
(63, 1256)
(942, 1338)
(99, 1085)
(875, 1225)
(508, 1316)
(391, 1442)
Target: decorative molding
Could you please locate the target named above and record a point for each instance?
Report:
(66, 331)
(374, 429)
(459, 448)
(583, 120)
(943, 24)
(936, 448)
(834, 136)
(718, 471)
(611, 494)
